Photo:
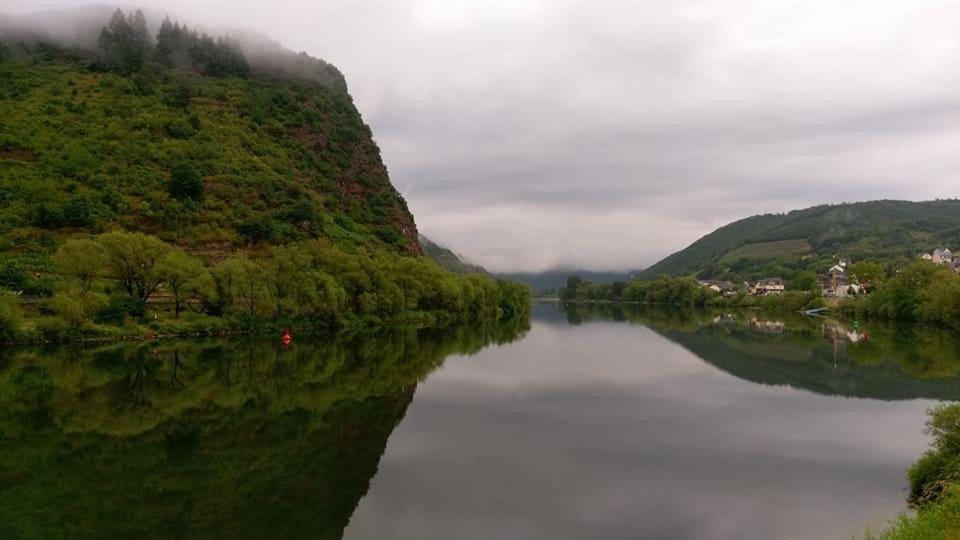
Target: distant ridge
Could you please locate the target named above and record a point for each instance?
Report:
(881, 230)
(447, 259)
(551, 280)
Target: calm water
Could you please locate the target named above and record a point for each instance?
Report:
(591, 423)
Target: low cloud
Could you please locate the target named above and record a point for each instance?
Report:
(529, 134)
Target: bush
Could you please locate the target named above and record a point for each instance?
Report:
(186, 183)
(10, 317)
(117, 310)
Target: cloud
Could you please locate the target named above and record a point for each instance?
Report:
(526, 134)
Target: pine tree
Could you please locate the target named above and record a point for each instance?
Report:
(123, 42)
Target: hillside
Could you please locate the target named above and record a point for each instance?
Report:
(552, 280)
(447, 259)
(271, 142)
(156, 180)
(812, 238)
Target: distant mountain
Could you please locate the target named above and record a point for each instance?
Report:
(552, 280)
(812, 238)
(447, 259)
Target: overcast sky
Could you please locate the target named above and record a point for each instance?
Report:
(528, 134)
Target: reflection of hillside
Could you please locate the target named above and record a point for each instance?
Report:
(827, 357)
(211, 439)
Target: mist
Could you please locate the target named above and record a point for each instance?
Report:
(533, 135)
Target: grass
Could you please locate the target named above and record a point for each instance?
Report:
(938, 521)
(768, 250)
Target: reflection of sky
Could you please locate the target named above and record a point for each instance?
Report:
(608, 430)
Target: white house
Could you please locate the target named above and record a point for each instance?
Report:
(942, 256)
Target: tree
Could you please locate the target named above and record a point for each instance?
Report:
(243, 284)
(868, 273)
(123, 42)
(132, 260)
(186, 182)
(76, 308)
(10, 317)
(184, 276)
(286, 275)
(83, 259)
(804, 281)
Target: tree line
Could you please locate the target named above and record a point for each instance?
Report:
(125, 44)
(122, 279)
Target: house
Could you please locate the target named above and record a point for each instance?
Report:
(942, 256)
(926, 257)
(766, 286)
(724, 288)
(833, 284)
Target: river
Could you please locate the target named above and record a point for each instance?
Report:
(590, 422)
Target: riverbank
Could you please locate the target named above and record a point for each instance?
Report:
(934, 484)
(196, 325)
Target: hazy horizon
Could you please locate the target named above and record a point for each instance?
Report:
(535, 135)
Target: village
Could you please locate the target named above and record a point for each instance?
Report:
(834, 283)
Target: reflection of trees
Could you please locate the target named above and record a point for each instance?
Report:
(885, 361)
(207, 438)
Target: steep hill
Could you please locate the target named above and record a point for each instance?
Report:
(812, 238)
(447, 259)
(202, 145)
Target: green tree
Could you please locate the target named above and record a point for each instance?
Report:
(244, 285)
(186, 182)
(868, 273)
(185, 277)
(83, 259)
(132, 260)
(122, 44)
(804, 281)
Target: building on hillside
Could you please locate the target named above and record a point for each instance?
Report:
(926, 257)
(942, 256)
(766, 286)
(836, 284)
(725, 288)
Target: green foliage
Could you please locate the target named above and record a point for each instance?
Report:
(805, 281)
(178, 46)
(185, 278)
(132, 260)
(448, 260)
(99, 157)
(124, 42)
(939, 468)
(811, 239)
(83, 259)
(939, 521)
(10, 317)
(186, 182)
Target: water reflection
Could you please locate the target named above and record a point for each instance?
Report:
(880, 361)
(227, 438)
(683, 425)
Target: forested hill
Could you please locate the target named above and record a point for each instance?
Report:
(447, 259)
(210, 143)
(810, 239)
(552, 280)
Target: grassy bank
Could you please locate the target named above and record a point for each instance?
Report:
(934, 484)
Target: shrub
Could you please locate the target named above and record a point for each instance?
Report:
(10, 317)
(186, 183)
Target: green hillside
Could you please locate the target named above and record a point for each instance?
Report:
(811, 239)
(281, 157)
(447, 259)
(160, 181)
